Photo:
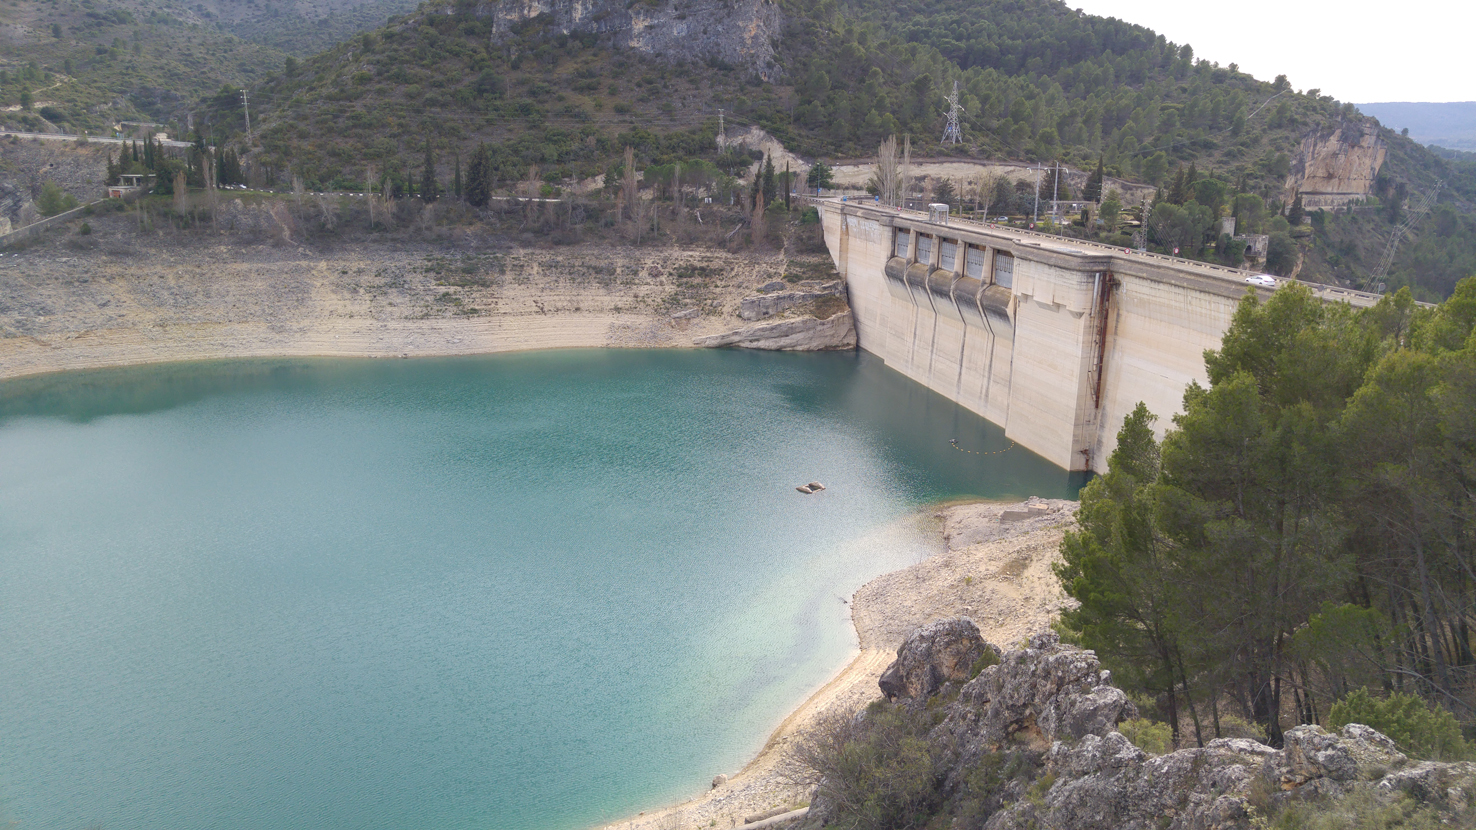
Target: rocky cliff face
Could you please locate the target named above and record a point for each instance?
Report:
(736, 32)
(1342, 159)
(1033, 742)
(26, 164)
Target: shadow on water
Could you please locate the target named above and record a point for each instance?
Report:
(84, 396)
(912, 421)
(906, 420)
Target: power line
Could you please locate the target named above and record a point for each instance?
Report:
(247, 108)
(1412, 216)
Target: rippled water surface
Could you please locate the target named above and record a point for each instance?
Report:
(539, 590)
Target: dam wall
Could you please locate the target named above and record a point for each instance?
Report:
(1055, 340)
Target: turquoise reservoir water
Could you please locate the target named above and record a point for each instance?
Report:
(539, 590)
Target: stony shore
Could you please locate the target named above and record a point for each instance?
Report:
(120, 297)
(995, 568)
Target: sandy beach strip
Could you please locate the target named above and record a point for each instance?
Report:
(995, 569)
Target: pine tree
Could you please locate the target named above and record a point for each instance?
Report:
(1294, 216)
(1177, 190)
(1093, 190)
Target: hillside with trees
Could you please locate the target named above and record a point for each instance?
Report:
(1037, 83)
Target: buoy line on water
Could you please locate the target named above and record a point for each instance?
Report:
(954, 442)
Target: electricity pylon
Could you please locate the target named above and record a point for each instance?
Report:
(1412, 215)
(951, 133)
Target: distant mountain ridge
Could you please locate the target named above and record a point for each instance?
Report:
(1450, 125)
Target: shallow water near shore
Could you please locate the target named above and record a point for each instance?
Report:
(537, 590)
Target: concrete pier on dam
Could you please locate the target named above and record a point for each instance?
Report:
(1054, 339)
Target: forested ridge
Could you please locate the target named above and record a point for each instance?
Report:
(1038, 83)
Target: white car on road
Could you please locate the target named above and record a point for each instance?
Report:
(1265, 280)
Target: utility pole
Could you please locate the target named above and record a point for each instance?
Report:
(1035, 217)
(247, 108)
(722, 136)
(951, 134)
(1056, 195)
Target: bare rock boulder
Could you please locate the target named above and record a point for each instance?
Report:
(932, 657)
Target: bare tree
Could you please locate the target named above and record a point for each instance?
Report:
(984, 186)
(906, 167)
(369, 192)
(181, 197)
(629, 189)
(886, 171)
(330, 213)
(212, 197)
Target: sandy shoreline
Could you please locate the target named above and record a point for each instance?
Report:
(997, 573)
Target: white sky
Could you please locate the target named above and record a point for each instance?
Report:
(1353, 50)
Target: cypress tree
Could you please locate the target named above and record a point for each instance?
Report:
(479, 177)
(429, 189)
(769, 187)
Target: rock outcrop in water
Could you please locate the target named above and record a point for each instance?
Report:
(799, 334)
(1033, 742)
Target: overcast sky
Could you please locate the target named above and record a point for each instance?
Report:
(1355, 50)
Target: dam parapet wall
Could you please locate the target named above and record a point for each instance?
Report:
(1054, 339)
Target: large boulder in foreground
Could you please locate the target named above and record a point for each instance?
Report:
(934, 655)
(1033, 742)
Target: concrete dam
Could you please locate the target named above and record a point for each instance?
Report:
(1054, 339)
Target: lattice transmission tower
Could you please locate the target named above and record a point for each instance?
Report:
(951, 133)
(1412, 215)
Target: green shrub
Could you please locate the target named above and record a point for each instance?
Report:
(85, 229)
(987, 659)
(54, 200)
(1420, 730)
(879, 770)
(1152, 737)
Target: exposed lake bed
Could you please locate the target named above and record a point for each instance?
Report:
(527, 590)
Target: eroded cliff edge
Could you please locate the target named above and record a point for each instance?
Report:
(119, 296)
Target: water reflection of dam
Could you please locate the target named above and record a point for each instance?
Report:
(1055, 340)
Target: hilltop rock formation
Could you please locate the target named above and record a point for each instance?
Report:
(1033, 742)
(1341, 161)
(736, 32)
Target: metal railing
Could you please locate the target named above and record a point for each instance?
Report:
(1236, 275)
